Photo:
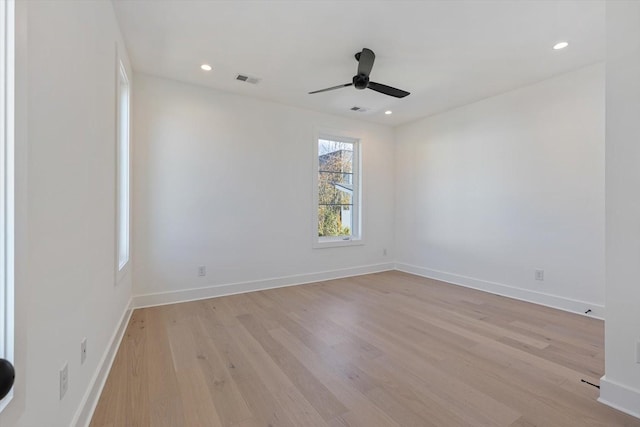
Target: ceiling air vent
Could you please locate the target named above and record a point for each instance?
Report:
(358, 109)
(248, 79)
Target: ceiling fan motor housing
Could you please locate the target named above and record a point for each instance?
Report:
(360, 81)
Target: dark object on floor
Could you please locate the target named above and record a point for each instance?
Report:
(585, 381)
(7, 376)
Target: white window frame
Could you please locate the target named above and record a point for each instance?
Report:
(7, 205)
(356, 230)
(123, 171)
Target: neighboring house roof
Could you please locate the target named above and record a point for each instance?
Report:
(347, 188)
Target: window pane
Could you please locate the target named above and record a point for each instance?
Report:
(7, 188)
(337, 188)
(335, 156)
(334, 188)
(334, 220)
(123, 168)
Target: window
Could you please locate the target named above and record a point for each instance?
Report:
(6, 183)
(337, 191)
(123, 169)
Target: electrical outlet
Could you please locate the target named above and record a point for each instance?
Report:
(64, 380)
(539, 275)
(384, 251)
(202, 271)
(83, 350)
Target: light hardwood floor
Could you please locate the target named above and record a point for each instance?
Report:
(387, 349)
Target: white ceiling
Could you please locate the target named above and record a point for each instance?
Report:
(446, 53)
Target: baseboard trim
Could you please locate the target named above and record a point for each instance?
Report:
(163, 298)
(91, 397)
(548, 300)
(619, 397)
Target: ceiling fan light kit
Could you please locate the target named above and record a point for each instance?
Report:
(361, 80)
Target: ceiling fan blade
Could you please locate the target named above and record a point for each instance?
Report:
(331, 88)
(365, 61)
(388, 90)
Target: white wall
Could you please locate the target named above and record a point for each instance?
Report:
(490, 192)
(621, 384)
(225, 181)
(66, 222)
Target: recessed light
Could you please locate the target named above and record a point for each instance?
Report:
(560, 45)
(388, 112)
(206, 67)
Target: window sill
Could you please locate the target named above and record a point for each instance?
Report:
(336, 243)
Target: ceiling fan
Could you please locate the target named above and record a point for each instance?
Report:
(361, 80)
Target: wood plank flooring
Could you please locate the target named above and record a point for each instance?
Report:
(386, 349)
